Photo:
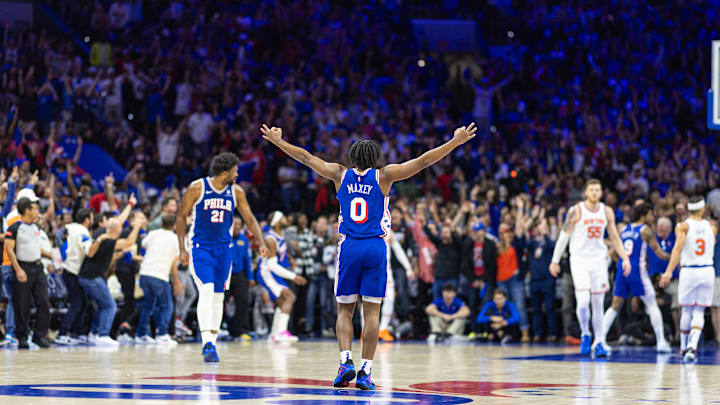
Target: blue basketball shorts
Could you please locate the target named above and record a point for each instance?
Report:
(638, 283)
(361, 269)
(211, 263)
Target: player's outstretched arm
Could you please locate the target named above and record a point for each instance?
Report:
(649, 237)
(680, 237)
(275, 267)
(402, 171)
(188, 200)
(249, 218)
(331, 171)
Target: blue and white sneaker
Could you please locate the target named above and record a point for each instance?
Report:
(210, 354)
(586, 344)
(364, 382)
(345, 374)
(600, 351)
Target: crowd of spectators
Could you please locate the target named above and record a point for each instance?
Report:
(562, 91)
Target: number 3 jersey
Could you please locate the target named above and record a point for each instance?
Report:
(699, 245)
(587, 237)
(213, 215)
(364, 211)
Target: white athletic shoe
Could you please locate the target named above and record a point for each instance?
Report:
(65, 341)
(92, 338)
(689, 356)
(106, 341)
(181, 327)
(663, 347)
(125, 339)
(144, 340)
(165, 340)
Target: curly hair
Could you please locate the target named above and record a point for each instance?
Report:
(223, 162)
(365, 154)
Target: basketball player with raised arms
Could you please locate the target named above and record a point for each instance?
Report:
(211, 203)
(584, 228)
(636, 238)
(362, 192)
(694, 250)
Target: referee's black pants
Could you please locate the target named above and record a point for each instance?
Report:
(23, 294)
(240, 291)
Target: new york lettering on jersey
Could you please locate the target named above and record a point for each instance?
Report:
(213, 215)
(364, 211)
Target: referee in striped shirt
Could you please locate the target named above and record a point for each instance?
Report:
(22, 243)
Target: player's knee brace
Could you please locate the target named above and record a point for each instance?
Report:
(698, 318)
(205, 306)
(685, 319)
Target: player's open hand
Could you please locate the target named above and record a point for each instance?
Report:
(273, 134)
(626, 267)
(464, 134)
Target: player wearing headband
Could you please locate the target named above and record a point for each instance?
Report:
(272, 274)
(694, 248)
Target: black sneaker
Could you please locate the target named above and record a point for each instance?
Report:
(42, 342)
(23, 344)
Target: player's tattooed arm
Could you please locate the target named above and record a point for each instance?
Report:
(188, 200)
(649, 237)
(570, 219)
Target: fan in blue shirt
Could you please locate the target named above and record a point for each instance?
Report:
(500, 318)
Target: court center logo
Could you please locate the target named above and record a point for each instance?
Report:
(270, 395)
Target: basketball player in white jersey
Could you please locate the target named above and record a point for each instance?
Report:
(694, 248)
(584, 228)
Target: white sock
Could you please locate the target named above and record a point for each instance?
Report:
(685, 324)
(213, 338)
(608, 320)
(283, 322)
(597, 316)
(345, 355)
(653, 311)
(366, 366)
(683, 341)
(276, 322)
(583, 311)
(206, 336)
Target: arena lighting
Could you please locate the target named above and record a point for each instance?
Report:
(513, 173)
(421, 63)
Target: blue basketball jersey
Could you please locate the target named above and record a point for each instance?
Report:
(212, 215)
(364, 211)
(635, 247)
(281, 250)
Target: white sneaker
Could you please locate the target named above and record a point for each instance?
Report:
(458, 339)
(92, 338)
(271, 339)
(106, 341)
(432, 338)
(144, 340)
(165, 340)
(81, 340)
(65, 341)
(180, 326)
(125, 339)
(663, 347)
(689, 356)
